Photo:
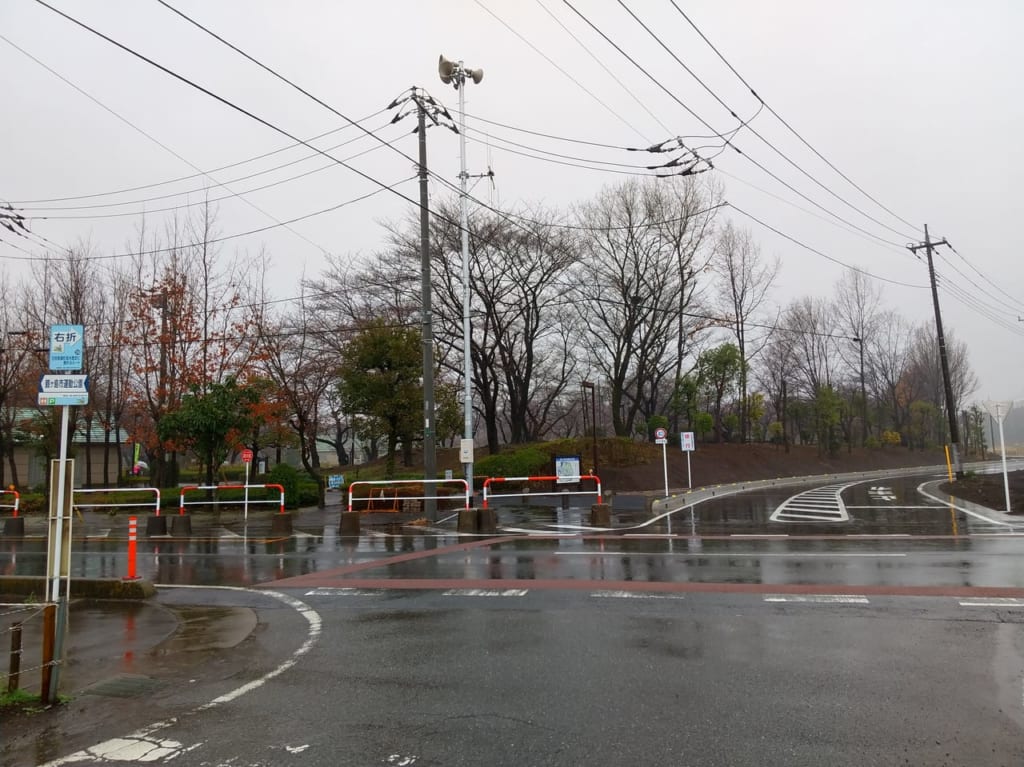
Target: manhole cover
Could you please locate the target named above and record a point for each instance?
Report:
(123, 686)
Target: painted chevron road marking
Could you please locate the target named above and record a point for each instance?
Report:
(819, 504)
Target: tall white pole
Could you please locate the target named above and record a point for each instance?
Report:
(664, 465)
(58, 529)
(467, 372)
(1002, 447)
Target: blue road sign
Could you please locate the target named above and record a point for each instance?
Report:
(67, 347)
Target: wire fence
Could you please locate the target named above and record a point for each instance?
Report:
(26, 633)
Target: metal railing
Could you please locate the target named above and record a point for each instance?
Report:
(17, 501)
(527, 493)
(154, 504)
(247, 501)
(383, 484)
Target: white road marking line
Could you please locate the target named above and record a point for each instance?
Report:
(993, 602)
(878, 535)
(759, 535)
(891, 506)
(826, 599)
(328, 591)
(634, 595)
(140, 747)
(738, 554)
(486, 593)
(926, 494)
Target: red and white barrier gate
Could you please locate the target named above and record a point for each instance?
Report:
(17, 500)
(491, 480)
(394, 499)
(247, 502)
(154, 504)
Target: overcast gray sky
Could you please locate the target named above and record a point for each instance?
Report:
(919, 103)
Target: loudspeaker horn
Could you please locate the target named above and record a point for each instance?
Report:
(476, 74)
(445, 68)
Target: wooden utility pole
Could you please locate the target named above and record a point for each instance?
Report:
(951, 411)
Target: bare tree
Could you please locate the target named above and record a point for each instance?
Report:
(634, 285)
(858, 301)
(744, 281)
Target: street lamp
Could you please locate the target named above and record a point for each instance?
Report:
(455, 74)
(863, 396)
(593, 420)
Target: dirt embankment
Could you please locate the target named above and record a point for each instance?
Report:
(721, 464)
(989, 490)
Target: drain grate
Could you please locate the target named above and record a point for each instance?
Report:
(123, 686)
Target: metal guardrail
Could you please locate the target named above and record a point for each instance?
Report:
(491, 480)
(395, 498)
(154, 504)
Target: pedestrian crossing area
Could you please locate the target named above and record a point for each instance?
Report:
(819, 504)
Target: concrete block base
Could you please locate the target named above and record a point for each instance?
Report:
(350, 521)
(281, 524)
(14, 527)
(486, 521)
(181, 526)
(468, 522)
(156, 525)
(601, 515)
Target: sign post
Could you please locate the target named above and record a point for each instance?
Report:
(67, 350)
(999, 411)
(686, 442)
(661, 438)
(247, 460)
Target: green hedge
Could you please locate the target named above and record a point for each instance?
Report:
(524, 462)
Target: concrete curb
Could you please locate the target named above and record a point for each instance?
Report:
(91, 588)
(678, 502)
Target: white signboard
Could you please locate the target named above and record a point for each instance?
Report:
(67, 343)
(686, 441)
(68, 389)
(567, 468)
(465, 451)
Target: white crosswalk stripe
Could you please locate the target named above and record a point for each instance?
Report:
(820, 504)
(820, 599)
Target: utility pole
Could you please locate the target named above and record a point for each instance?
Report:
(425, 107)
(429, 448)
(954, 429)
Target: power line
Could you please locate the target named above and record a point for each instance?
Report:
(984, 277)
(159, 143)
(170, 181)
(790, 127)
(1013, 308)
(579, 85)
(197, 190)
(753, 130)
(210, 241)
(824, 255)
(704, 122)
(185, 206)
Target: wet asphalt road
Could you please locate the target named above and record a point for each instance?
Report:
(719, 636)
(516, 677)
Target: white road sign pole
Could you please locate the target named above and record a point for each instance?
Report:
(664, 465)
(1000, 410)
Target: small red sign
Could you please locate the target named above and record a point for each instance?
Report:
(247, 456)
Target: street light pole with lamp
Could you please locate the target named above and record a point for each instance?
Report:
(455, 73)
(593, 420)
(863, 396)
